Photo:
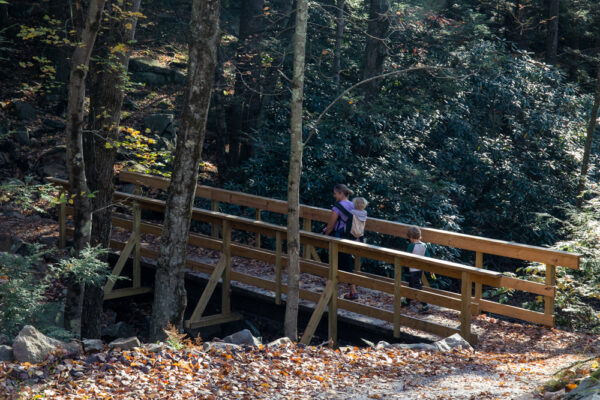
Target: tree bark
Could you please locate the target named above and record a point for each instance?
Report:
(376, 49)
(585, 163)
(79, 191)
(293, 217)
(107, 90)
(552, 38)
(169, 293)
(339, 36)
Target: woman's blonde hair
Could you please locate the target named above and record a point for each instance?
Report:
(341, 188)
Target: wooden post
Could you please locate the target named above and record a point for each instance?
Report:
(137, 216)
(306, 226)
(397, 296)
(214, 230)
(62, 222)
(465, 309)
(258, 236)
(549, 300)
(226, 281)
(357, 262)
(278, 250)
(333, 278)
(478, 286)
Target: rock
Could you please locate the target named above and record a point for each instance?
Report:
(219, 345)
(93, 345)
(588, 389)
(178, 77)
(125, 343)
(152, 73)
(417, 346)
(6, 353)
(22, 137)
(32, 346)
(119, 330)
(242, 337)
(382, 345)
(53, 162)
(283, 341)
(154, 347)
(453, 342)
(159, 123)
(178, 65)
(53, 125)
(150, 78)
(554, 395)
(23, 110)
(72, 349)
(130, 105)
(144, 64)
(3, 338)
(4, 160)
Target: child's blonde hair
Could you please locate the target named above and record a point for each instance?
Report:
(360, 203)
(413, 232)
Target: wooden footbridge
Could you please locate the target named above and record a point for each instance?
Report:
(468, 302)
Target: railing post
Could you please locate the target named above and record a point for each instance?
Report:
(549, 300)
(258, 237)
(214, 230)
(478, 285)
(278, 250)
(397, 296)
(137, 216)
(333, 278)
(225, 282)
(62, 222)
(306, 226)
(465, 309)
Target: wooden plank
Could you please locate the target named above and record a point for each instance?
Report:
(315, 318)
(62, 224)
(333, 279)
(516, 312)
(258, 236)
(214, 230)
(528, 286)
(208, 290)
(116, 272)
(213, 320)
(549, 300)
(465, 312)
(306, 226)
(226, 282)
(278, 251)
(441, 237)
(126, 292)
(137, 272)
(478, 285)
(397, 296)
(314, 255)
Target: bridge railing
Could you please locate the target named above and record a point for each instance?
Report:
(480, 245)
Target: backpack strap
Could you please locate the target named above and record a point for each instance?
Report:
(344, 211)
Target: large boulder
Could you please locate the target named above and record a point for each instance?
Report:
(125, 343)
(219, 346)
(242, 337)
(119, 330)
(22, 137)
(92, 345)
(283, 341)
(159, 123)
(53, 125)
(153, 73)
(32, 346)
(53, 162)
(6, 353)
(588, 389)
(24, 110)
(453, 342)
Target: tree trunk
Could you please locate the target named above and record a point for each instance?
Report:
(79, 191)
(552, 38)
(376, 50)
(585, 163)
(293, 217)
(339, 36)
(169, 293)
(246, 100)
(107, 90)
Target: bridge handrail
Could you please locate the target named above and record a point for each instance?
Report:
(398, 229)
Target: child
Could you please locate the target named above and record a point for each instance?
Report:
(358, 227)
(414, 274)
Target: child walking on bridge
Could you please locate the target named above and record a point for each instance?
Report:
(414, 275)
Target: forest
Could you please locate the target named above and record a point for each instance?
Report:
(474, 117)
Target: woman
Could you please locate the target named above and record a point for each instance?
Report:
(335, 227)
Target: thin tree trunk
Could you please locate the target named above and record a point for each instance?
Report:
(293, 217)
(107, 90)
(169, 293)
(585, 163)
(339, 36)
(82, 218)
(376, 50)
(552, 38)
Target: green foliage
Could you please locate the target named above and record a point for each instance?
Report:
(27, 195)
(87, 269)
